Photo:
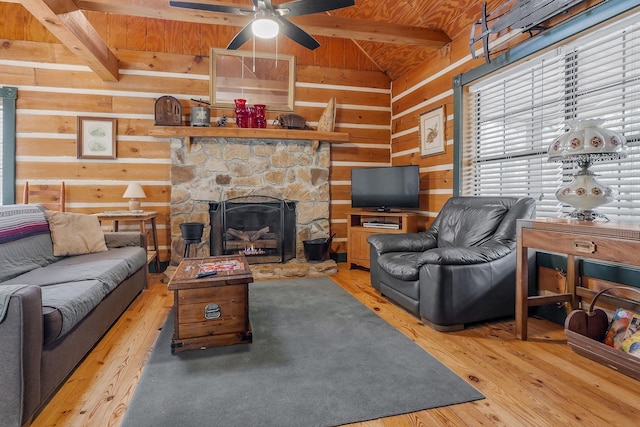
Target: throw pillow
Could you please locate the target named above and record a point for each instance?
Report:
(75, 234)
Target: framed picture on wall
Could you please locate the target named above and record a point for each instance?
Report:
(432, 132)
(96, 138)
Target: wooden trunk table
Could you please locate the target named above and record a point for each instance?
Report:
(211, 311)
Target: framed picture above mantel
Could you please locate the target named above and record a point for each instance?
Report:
(260, 78)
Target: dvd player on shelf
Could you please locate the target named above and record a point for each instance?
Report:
(386, 225)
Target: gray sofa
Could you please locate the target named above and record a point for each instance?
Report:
(461, 270)
(54, 309)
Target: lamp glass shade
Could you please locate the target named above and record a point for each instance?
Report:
(265, 28)
(587, 138)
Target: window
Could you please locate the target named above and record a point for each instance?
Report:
(7, 144)
(514, 116)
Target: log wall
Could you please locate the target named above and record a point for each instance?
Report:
(427, 88)
(159, 57)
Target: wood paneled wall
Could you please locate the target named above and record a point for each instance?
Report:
(159, 57)
(430, 87)
(423, 90)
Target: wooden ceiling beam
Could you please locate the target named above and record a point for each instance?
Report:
(373, 31)
(317, 24)
(66, 21)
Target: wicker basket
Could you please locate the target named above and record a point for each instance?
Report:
(585, 330)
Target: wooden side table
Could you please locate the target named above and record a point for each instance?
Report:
(609, 242)
(211, 311)
(142, 218)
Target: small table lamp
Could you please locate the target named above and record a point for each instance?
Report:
(134, 192)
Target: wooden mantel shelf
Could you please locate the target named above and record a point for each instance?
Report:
(189, 132)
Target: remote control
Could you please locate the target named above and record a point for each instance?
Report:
(206, 274)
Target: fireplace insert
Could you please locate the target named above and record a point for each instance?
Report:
(262, 228)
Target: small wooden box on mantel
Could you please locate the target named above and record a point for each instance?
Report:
(211, 311)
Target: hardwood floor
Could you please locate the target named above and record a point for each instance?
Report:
(539, 382)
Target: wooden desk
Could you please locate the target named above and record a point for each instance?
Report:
(142, 218)
(211, 311)
(609, 242)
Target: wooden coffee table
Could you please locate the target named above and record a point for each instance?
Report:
(211, 311)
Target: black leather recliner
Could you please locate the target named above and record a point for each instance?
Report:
(461, 270)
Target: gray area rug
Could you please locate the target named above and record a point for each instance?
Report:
(318, 358)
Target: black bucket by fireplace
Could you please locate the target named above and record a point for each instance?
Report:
(260, 227)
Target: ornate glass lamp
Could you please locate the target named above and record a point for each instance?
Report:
(586, 142)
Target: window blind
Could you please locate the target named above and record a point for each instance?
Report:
(513, 116)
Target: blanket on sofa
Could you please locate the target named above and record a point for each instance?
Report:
(75, 285)
(26, 242)
(18, 222)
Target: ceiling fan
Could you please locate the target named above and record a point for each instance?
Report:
(269, 19)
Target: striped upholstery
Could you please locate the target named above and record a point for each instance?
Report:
(21, 221)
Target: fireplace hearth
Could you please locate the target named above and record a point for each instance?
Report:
(262, 228)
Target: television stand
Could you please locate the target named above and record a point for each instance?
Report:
(362, 224)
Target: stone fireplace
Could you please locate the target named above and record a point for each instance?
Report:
(217, 170)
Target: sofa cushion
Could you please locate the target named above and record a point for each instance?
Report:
(75, 285)
(75, 234)
(465, 226)
(25, 242)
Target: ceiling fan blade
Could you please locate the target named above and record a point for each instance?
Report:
(297, 34)
(307, 7)
(211, 7)
(241, 38)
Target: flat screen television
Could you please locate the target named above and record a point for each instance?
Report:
(386, 188)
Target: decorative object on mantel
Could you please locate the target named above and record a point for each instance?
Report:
(586, 142)
(518, 16)
(134, 192)
(327, 121)
(241, 112)
(222, 121)
(168, 111)
(201, 115)
(291, 121)
(250, 116)
(259, 119)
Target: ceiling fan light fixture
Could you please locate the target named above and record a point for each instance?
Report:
(265, 28)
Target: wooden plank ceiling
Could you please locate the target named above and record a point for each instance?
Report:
(397, 35)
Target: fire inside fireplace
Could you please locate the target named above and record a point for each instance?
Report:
(261, 228)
